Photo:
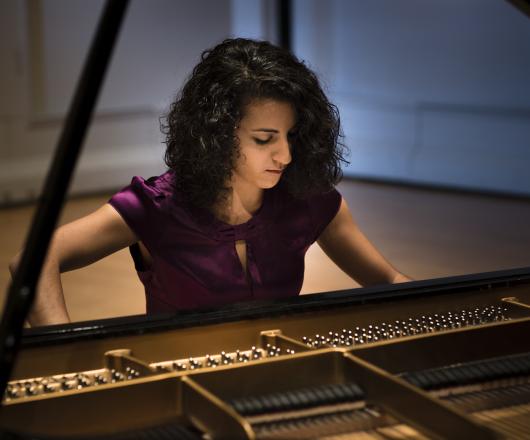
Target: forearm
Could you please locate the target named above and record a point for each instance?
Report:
(400, 278)
(368, 268)
(49, 306)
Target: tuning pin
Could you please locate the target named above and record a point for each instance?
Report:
(32, 390)
(12, 391)
(211, 361)
(48, 388)
(194, 364)
(83, 381)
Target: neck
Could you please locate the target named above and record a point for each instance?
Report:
(240, 205)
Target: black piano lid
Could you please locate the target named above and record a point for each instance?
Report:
(142, 324)
(522, 5)
(21, 292)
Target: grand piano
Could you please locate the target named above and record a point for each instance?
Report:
(445, 358)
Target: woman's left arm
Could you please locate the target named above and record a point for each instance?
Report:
(348, 248)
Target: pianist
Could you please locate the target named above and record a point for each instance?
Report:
(253, 155)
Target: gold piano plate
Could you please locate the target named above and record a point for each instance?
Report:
(267, 378)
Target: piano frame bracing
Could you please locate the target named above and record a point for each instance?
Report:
(201, 395)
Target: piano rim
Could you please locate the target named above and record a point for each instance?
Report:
(141, 324)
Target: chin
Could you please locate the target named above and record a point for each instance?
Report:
(268, 185)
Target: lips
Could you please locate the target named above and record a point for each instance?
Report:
(274, 171)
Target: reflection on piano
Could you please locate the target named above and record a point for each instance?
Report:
(421, 361)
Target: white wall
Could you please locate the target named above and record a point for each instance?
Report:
(433, 92)
(44, 43)
(430, 91)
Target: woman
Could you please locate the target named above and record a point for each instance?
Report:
(253, 154)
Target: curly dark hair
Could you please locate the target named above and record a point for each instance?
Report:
(202, 147)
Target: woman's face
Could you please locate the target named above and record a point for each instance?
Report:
(263, 135)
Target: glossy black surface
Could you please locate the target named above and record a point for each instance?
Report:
(140, 324)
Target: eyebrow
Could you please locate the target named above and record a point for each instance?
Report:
(267, 130)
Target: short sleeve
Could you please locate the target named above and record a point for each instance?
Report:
(323, 209)
(136, 204)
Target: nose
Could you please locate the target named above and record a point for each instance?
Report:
(282, 153)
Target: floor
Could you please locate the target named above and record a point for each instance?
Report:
(424, 233)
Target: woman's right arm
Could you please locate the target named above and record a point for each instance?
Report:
(75, 245)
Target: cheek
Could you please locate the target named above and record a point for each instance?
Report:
(245, 166)
(240, 162)
(253, 161)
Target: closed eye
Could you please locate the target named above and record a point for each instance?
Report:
(262, 141)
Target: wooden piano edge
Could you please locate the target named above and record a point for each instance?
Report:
(196, 402)
(141, 324)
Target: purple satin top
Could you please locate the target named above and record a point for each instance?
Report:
(195, 263)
